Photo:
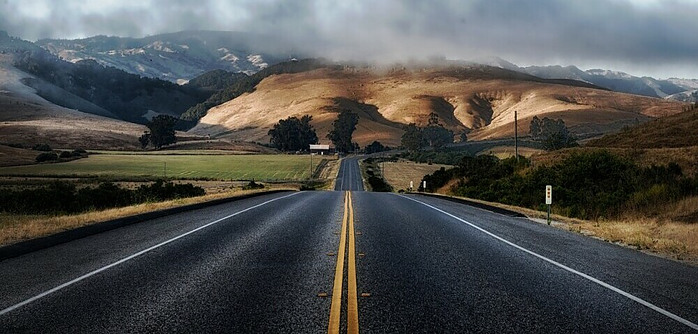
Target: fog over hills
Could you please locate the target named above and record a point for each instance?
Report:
(181, 56)
(176, 57)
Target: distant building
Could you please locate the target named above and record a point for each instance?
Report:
(321, 149)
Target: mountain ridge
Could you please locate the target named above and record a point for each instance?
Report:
(176, 57)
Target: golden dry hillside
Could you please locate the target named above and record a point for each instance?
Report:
(478, 99)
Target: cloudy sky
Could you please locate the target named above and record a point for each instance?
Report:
(642, 37)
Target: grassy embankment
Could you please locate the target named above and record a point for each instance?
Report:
(214, 172)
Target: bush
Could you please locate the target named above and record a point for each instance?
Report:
(65, 155)
(585, 185)
(47, 156)
(378, 184)
(63, 197)
(79, 153)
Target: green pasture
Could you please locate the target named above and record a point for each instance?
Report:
(180, 166)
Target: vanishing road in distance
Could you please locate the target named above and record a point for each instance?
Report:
(344, 261)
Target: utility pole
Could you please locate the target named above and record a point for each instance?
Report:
(516, 135)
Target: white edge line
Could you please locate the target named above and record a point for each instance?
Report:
(560, 265)
(97, 271)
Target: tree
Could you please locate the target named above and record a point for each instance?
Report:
(412, 138)
(553, 133)
(342, 129)
(463, 137)
(162, 131)
(293, 134)
(374, 147)
(144, 139)
(435, 135)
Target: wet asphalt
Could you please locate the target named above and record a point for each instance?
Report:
(258, 265)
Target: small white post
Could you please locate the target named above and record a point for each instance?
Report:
(549, 199)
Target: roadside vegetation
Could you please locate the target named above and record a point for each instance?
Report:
(19, 227)
(586, 185)
(373, 174)
(60, 197)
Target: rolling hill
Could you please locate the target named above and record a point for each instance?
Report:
(679, 130)
(26, 119)
(477, 99)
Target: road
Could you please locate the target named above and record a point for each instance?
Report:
(346, 261)
(349, 175)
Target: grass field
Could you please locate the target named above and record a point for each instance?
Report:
(399, 174)
(177, 166)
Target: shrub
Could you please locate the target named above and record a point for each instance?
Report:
(585, 185)
(65, 155)
(79, 152)
(63, 197)
(46, 156)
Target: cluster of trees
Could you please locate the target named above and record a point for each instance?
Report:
(293, 134)
(552, 133)
(65, 198)
(586, 185)
(62, 156)
(161, 132)
(434, 135)
(375, 147)
(296, 134)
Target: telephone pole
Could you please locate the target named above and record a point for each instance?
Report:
(516, 135)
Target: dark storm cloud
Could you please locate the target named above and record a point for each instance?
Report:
(627, 33)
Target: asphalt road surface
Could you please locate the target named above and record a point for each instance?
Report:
(346, 261)
(349, 175)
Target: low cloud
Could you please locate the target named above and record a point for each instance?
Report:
(643, 36)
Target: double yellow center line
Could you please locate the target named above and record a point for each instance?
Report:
(352, 304)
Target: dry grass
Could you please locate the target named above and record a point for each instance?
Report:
(686, 157)
(399, 174)
(330, 172)
(660, 236)
(16, 228)
(503, 152)
(678, 130)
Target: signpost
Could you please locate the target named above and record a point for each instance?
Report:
(549, 199)
(424, 186)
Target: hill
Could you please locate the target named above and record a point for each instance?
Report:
(90, 87)
(477, 99)
(680, 130)
(26, 119)
(176, 57)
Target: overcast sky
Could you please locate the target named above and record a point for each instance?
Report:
(643, 37)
